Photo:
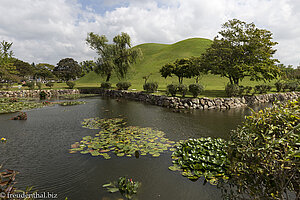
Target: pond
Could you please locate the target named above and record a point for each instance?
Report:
(39, 149)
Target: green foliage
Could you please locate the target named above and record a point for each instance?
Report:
(182, 68)
(24, 69)
(242, 50)
(262, 89)
(105, 85)
(150, 87)
(232, 90)
(116, 57)
(71, 84)
(202, 157)
(67, 69)
(264, 154)
(39, 85)
(196, 89)
(30, 85)
(123, 85)
(44, 71)
(116, 137)
(8, 72)
(172, 89)
(43, 95)
(87, 66)
(71, 103)
(9, 106)
(182, 89)
(127, 187)
(49, 84)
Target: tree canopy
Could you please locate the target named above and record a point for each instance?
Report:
(8, 71)
(113, 58)
(242, 50)
(67, 69)
(182, 68)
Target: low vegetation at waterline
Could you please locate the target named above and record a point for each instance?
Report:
(11, 105)
(260, 161)
(127, 187)
(115, 137)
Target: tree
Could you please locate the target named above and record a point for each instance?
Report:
(182, 68)
(87, 66)
(67, 69)
(116, 57)
(44, 71)
(242, 50)
(24, 68)
(8, 71)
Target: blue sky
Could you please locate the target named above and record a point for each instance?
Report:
(47, 31)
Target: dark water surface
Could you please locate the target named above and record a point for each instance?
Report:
(38, 149)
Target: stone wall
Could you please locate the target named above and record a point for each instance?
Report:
(195, 103)
(164, 101)
(35, 93)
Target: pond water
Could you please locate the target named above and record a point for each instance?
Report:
(39, 149)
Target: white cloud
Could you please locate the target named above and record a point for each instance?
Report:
(47, 31)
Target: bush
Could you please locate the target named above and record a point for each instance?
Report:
(43, 95)
(292, 86)
(264, 153)
(262, 89)
(248, 90)
(71, 84)
(123, 85)
(196, 89)
(39, 85)
(150, 87)
(279, 86)
(105, 85)
(30, 85)
(232, 90)
(182, 89)
(50, 84)
(1, 85)
(172, 89)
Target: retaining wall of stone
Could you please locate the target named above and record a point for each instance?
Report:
(35, 93)
(164, 101)
(195, 103)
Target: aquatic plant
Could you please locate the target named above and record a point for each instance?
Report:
(10, 107)
(122, 140)
(71, 103)
(205, 157)
(21, 116)
(127, 187)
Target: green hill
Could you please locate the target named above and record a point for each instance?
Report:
(154, 57)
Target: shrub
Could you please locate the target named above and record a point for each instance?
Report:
(279, 86)
(123, 85)
(105, 85)
(172, 89)
(262, 89)
(71, 84)
(150, 87)
(1, 85)
(30, 85)
(248, 90)
(196, 89)
(50, 84)
(293, 85)
(39, 85)
(232, 90)
(43, 95)
(264, 153)
(182, 89)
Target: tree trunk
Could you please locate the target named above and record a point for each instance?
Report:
(108, 77)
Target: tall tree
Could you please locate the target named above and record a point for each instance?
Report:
(113, 58)
(242, 50)
(87, 66)
(44, 71)
(25, 70)
(8, 71)
(67, 69)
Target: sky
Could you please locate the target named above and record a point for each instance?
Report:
(49, 30)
